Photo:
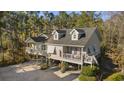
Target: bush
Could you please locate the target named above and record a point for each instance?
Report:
(88, 71)
(116, 77)
(64, 67)
(9, 60)
(44, 66)
(86, 78)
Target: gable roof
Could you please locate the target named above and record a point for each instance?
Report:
(67, 39)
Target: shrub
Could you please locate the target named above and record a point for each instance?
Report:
(64, 67)
(116, 77)
(9, 60)
(43, 66)
(59, 65)
(88, 71)
(86, 78)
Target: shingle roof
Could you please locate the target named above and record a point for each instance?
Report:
(80, 30)
(39, 39)
(67, 39)
(61, 31)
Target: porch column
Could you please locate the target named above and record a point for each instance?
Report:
(82, 58)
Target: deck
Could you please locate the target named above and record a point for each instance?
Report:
(69, 60)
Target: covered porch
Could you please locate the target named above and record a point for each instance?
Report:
(74, 55)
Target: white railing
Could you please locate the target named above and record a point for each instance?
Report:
(35, 51)
(71, 56)
(90, 59)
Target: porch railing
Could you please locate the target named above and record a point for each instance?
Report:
(71, 56)
(35, 51)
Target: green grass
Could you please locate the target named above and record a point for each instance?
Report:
(86, 78)
(115, 77)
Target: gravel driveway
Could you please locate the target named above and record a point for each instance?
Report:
(29, 71)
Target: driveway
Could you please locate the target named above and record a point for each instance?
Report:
(30, 71)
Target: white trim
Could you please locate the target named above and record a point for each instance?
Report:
(44, 35)
(73, 31)
(56, 36)
(64, 45)
(29, 38)
(54, 31)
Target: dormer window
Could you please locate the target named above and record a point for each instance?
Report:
(74, 36)
(57, 34)
(77, 34)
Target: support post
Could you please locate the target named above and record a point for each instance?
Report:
(82, 58)
(37, 57)
(91, 61)
(91, 65)
(78, 67)
(46, 60)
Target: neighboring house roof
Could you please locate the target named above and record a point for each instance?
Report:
(67, 39)
(40, 38)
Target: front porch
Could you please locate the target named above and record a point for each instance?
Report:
(74, 55)
(66, 59)
(69, 58)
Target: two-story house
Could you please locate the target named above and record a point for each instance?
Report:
(79, 46)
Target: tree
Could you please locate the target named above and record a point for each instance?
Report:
(1, 43)
(114, 38)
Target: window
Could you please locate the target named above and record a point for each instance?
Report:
(74, 36)
(43, 47)
(55, 36)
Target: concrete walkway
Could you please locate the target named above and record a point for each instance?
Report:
(30, 71)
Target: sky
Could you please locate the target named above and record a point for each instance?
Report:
(104, 14)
